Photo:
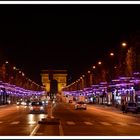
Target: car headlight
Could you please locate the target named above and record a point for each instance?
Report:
(22, 103)
(31, 108)
(41, 108)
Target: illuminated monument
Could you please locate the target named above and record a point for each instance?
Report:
(54, 80)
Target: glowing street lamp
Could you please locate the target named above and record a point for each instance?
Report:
(99, 62)
(124, 44)
(14, 68)
(111, 54)
(94, 67)
(6, 62)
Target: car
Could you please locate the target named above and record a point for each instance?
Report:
(37, 107)
(80, 105)
(23, 103)
(18, 102)
(131, 107)
(28, 103)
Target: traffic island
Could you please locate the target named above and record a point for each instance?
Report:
(50, 121)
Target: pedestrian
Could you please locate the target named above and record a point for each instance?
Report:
(123, 107)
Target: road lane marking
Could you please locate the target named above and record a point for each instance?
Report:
(32, 122)
(70, 123)
(15, 122)
(35, 130)
(61, 132)
(136, 124)
(105, 123)
(88, 123)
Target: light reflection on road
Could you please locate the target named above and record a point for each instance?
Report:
(33, 118)
(17, 107)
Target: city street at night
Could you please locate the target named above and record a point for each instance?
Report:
(69, 69)
(97, 120)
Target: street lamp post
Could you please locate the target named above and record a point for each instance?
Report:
(111, 71)
(89, 79)
(99, 74)
(122, 56)
(94, 75)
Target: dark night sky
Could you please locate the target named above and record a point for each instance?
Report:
(72, 37)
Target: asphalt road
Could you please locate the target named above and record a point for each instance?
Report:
(16, 121)
(95, 121)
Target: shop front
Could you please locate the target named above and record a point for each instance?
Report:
(137, 98)
(3, 96)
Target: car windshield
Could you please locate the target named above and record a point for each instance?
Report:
(132, 104)
(37, 103)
